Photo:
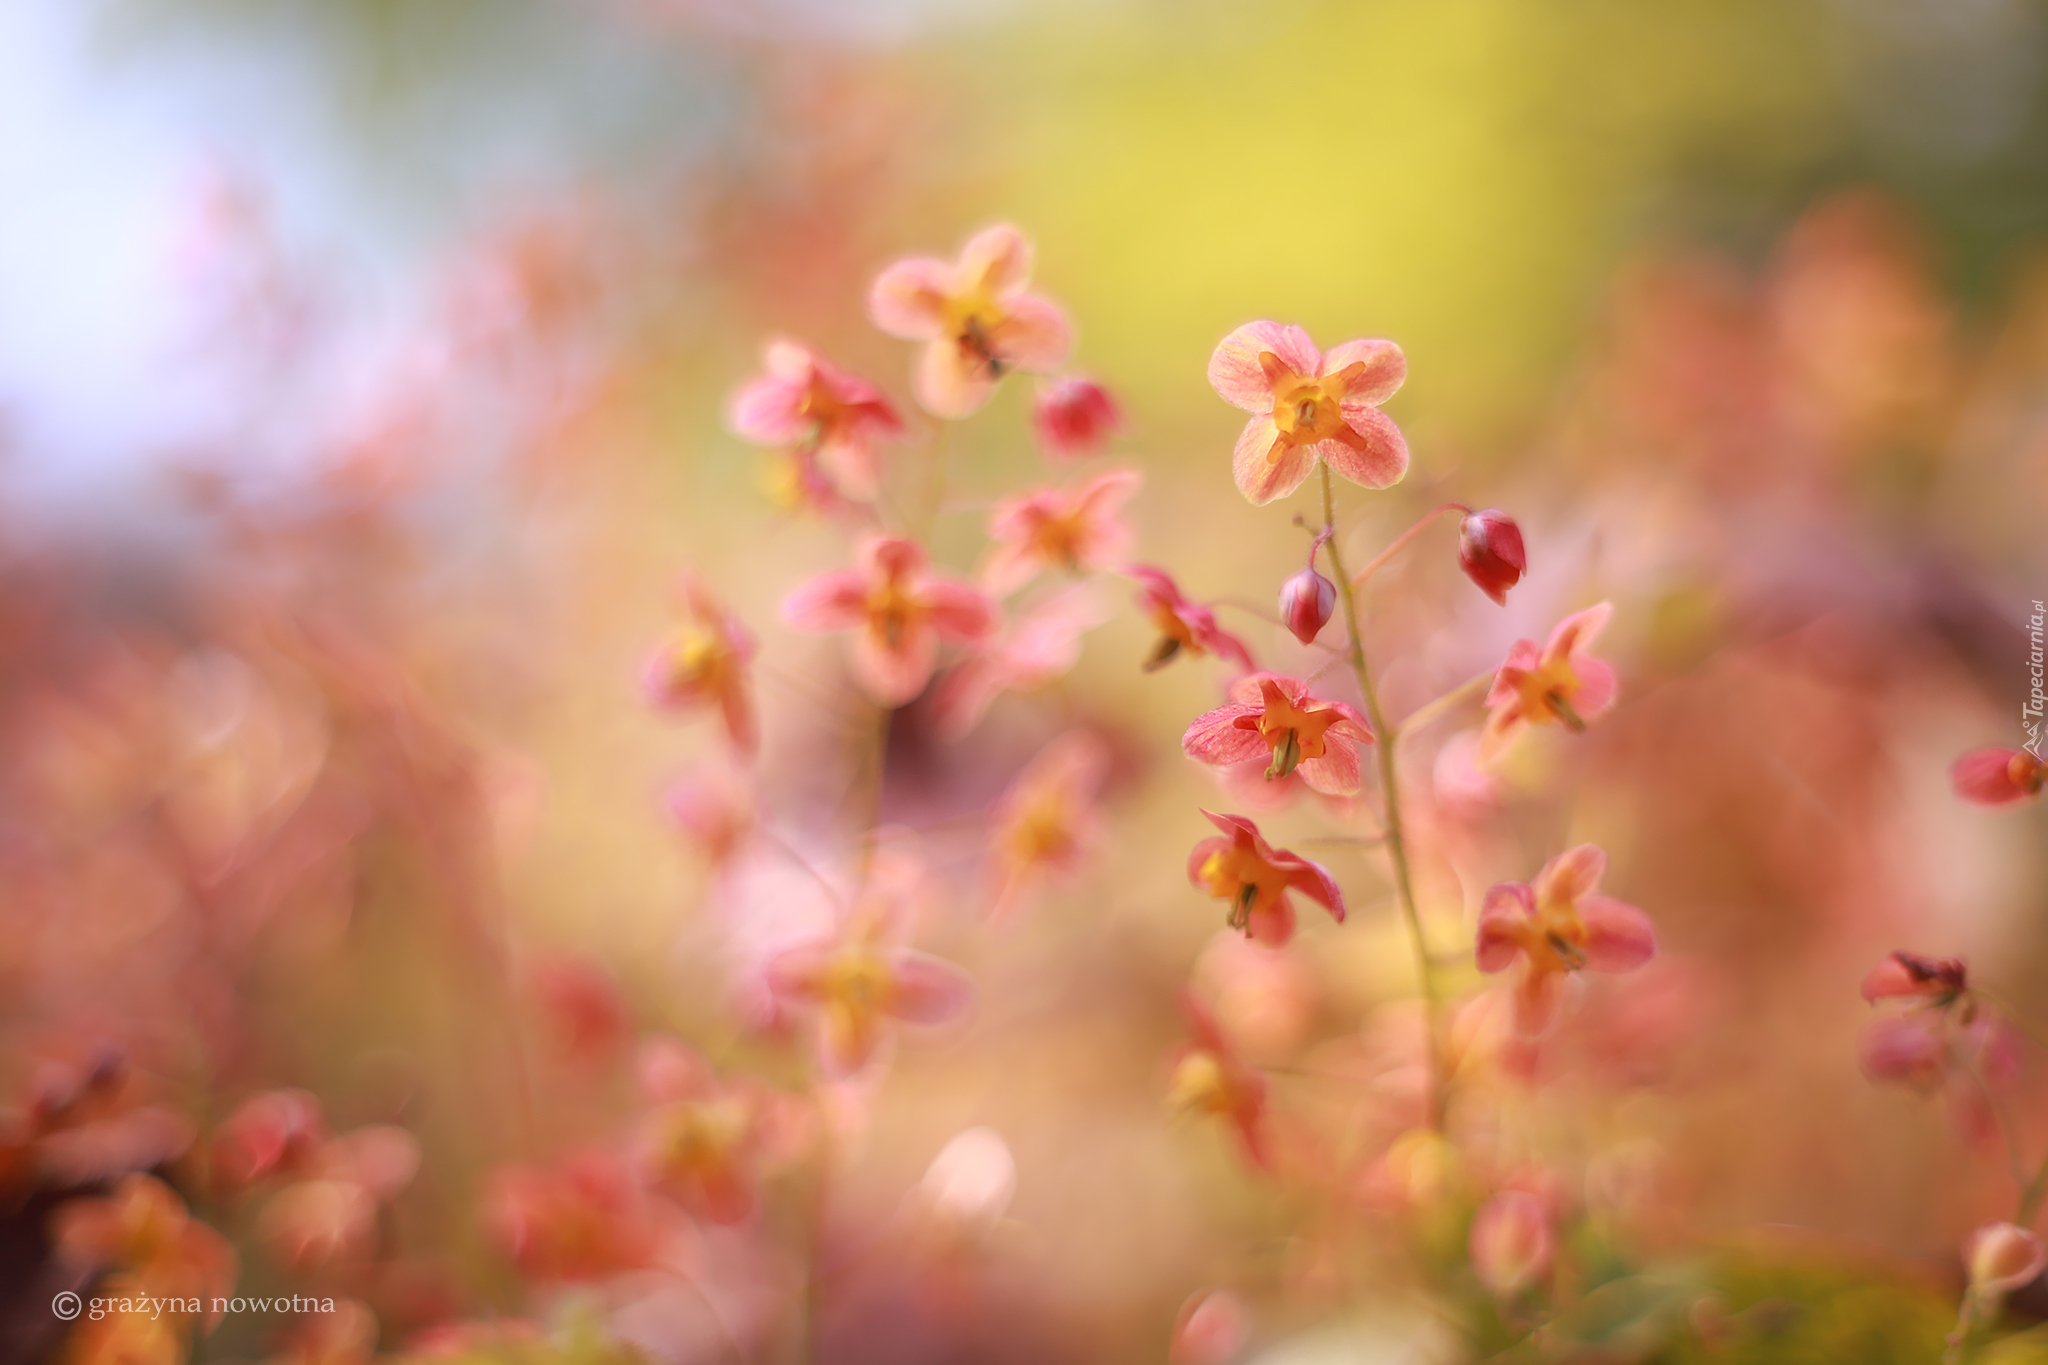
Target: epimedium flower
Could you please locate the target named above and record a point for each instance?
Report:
(1071, 530)
(1209, 1079)
(1045, 823)
(1074, 417)
(1998, 777)
(1557, 925)
(977, 317)
(1040, 645)
(1255, 879)
(1271, 714)
(1559, 684)
(804, 401)
(705, 664)
(900, 608)
(581, 1218)
(1184, 626)
(1309, 405)
(704, 1140)
(860, 984)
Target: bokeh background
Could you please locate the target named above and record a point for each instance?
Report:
(362, 374)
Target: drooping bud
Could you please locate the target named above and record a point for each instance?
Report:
(2001, 1257)
(1306, 601)
(1512, 1242)
(1491, 554)
(1939, 979)
(1074, 417)
(1998, 777)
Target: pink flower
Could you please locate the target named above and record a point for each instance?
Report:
(1557, 925)
(705, 665)
(714, 807)
(1183, 625)
(583, 1218)
(1940, 981)
(1073, 530)
(1210, 1079)
(1042, 645)
(1255, 878)
(976, 317)
(1513, 1242)
(2002, 1257)
(1074, 417)
(803, 401)
(1559, 685)
(859, 983)
(901, 609)
(1270, 714)
(1306, 601)
(1998, 777)
(1043, 826)
(143, 1229)
(705, 1140)
(1491, 554)
(1308, 405)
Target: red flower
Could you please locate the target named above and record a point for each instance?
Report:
(705, 665)
(1309, 405)
(1561, 684)
(1491, 554)
(901, 610)
(805, 402)
(1270, 714)
(1183, 625)
(1072, 530)
(1209, 1079)
(1255, 878)
(1074, 417)
(1557, 925)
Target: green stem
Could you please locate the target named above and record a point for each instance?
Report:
(1396, 840)
(1384, 555)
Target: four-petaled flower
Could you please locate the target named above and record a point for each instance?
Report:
(976, 317)
(1998, 777)
(804, 402)
(703, 1139)
(705, 664)
(1255, 878)
(1309, 405)
(1560, 684)
(859, 982)
(1274, 716)
(1557, 925)
(1210, 1079)
(1183, 625)
(1073, 529)
(1043, 826)
(902, 610)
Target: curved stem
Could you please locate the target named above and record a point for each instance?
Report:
(1397, 844)
(1399, 541)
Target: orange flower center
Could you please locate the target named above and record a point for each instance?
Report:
(1042, 832)
(892, 612)
(1547, 691)
(1057, 540)
(699, 1136)
(1291, 733)
(1306, 409)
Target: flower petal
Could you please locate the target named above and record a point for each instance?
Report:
(1378, 459)
(1272, 923)
(908, 299)
(1312, 880)
(1262, 472)
(1216, 738)
(1599, 687)
(1572, 874)
(995, 261)
(892, 672)
(1619, 937)
(1033, 335)
(961, 614)
(1503, 919)
(1538, 996)
(950, 382)
(768, 411)
(1336, 773)
(1235, 371)
(829, 602)
(1577, 632)
(928, 990)
(1382, 369)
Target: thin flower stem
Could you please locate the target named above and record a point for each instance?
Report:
(1430, 712)
(1397, 844)
(1399, 541)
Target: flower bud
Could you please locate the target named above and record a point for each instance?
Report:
(1512, 1242)
(1074, 417)
(2002, 1257)
(1998, 777)
(1490, 552)
(1306, 601)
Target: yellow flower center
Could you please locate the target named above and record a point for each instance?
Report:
(1547, 692)
(1042, 831)
(892, 612)
(1199, 1085)
(1305, 409)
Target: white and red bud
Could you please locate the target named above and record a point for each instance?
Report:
(2001, 1258)
(1074, 417)
(1491, 554)
(1306, 601)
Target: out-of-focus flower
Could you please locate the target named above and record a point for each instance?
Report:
(1491, 554)
(1183, 625)
(580, 1005)
(1938, 980)
(704, 1140)
(1210, 1079)
(2002, 1257)
(1306, 601)
(714, 806)
(1255, 878)
(1309, 405)
(1998, 777)
(795, 481)
(1559, 924)
(1264, 998)
(1560, 684)
(582, 1218)
(901, 610)
(1271, 714)
(976, 316)
(330, 1215)
(970, 1183)
(1072, 530)
(1513, 1242)
(1040, 645)
(279, 1130)
(80, 1120)
(805, 401)
(1042, 827)
(1212, 1328)
(705, 664)
(1074, 417)
(142, 1230)
(859, 983)
(344, 1333)
(1965, 1055)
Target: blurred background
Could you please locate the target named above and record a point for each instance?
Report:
(363, 367)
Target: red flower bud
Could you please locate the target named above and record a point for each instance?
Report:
(1305, 604)
(1490, 552)
(1998, 777)
(1074, 417)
